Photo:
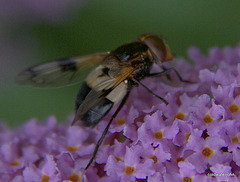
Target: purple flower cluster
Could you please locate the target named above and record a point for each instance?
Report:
(196, 137)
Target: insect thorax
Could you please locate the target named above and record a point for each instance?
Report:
(137, 55)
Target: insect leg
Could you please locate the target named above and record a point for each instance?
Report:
(166, 71)
(151, 92)
(107, 127)
(178, 75)
(162, 73)
(180, 78)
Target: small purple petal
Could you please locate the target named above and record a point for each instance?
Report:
(206, 75)
(144, 170)
(31, 173)
(186, 169)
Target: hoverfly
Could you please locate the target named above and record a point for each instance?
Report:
(112, 77)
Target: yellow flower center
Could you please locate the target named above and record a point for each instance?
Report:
(207, 152)
(158, 135)
(234, 108)
(45, 178)
(208, 119)
(180, 116)
(120, 121)
(74, 178)
(118, 158)
(154, 158)
(179, 159)
(72, 149)
(14, 163)
(187, 179)
(235, 139)
(129, 170)
(187, 135)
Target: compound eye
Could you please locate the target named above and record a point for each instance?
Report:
(158, 47)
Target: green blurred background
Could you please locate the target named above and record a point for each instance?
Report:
(84, 27)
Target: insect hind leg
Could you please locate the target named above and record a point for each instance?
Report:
(107, 127)
(150, 91)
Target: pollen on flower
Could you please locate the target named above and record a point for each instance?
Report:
(158, 135)
(180, 116)
(208, 119)
(187, 179)
(154, 158)
(15, 163)
(129, 170)
(120, 121)
(235, 139)
(72, 149)
(74, 178)
(234, 108)
(207, 152)
(45, 178)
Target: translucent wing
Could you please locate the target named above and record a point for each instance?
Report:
(60, 73)
(101, 91)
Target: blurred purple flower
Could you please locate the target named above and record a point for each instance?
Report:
(195, 137)
(38, 10)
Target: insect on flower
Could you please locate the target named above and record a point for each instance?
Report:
(112, 77)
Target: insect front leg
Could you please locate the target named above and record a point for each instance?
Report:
(107, 127)
(166, 72)
(180, 78)
(162, 73)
